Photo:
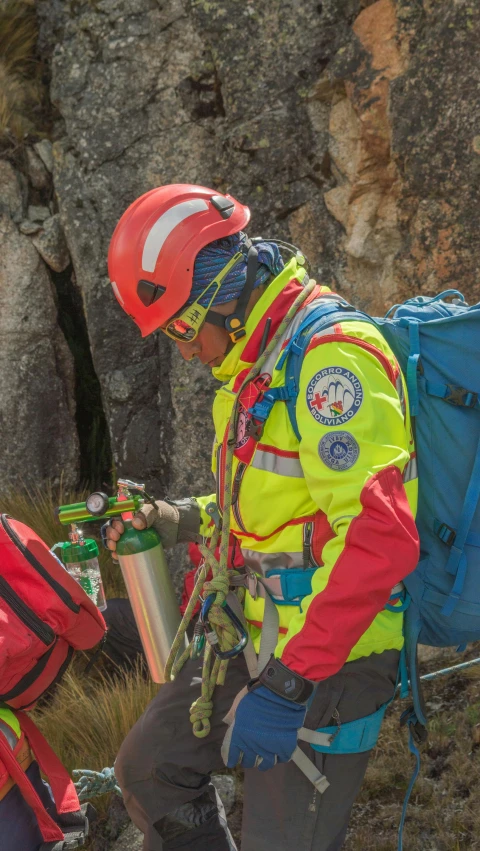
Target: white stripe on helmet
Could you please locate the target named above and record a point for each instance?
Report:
(163, 228)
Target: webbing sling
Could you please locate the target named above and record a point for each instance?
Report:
(268, 642)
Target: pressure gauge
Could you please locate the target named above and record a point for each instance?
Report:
(97, 503)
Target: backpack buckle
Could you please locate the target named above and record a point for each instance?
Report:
(70, 842)
(255, 430)
(461, 397)
(418, 731)
(446, 534)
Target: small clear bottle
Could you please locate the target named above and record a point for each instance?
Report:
(80, 558)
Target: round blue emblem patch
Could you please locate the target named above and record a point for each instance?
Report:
(338, 450)
(334, 396)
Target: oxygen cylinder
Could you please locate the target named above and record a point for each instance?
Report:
(151, 593)
(80, 559)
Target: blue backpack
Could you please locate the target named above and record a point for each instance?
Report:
(437, 345)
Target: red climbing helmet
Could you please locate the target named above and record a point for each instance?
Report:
(154, 246)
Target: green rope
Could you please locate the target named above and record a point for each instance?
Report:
(213, 673)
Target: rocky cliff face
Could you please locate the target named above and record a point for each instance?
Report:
(349, 127)
(37, 405)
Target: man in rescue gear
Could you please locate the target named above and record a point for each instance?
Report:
(324, 515)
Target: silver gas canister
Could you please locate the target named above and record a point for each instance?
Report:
(151, 593)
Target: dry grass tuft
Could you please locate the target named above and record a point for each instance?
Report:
(88, 717)
(22, 91)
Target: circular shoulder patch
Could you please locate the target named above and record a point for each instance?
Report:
(334, 396)
(338, 450)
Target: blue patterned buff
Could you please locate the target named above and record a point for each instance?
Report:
(211, 260)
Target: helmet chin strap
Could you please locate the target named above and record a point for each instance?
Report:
(234, 324)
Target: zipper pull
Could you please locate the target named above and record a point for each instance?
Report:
(307, 539)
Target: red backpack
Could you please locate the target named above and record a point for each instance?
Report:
(44, 616)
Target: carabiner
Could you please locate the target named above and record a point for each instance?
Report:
(203, 618)
(198, 640)
(235, 651)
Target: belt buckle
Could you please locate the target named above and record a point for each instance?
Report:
(252, 583)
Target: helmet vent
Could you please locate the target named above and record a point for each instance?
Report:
(225, 206)
(149, 293)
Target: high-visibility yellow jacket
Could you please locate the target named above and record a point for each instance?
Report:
(341, 500)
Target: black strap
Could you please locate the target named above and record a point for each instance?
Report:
(252, 267)
(215, 319)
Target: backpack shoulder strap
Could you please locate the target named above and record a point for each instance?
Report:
(64, 792)
(319, 320)
(326, 314)
(48, 828)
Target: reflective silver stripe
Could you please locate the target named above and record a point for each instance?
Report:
(397, 588)
(262, 562)
(9, 734)
(163, 227)
(337, 520)
(411, 470)
(270, 462)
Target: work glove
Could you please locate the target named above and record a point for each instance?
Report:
(176, 521)
(267, 719)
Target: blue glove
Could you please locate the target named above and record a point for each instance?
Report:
(265, 728)
(266, 723)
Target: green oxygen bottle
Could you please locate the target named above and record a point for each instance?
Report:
(79, 557)
(150, 591)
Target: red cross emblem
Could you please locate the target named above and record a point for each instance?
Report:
(318, 401)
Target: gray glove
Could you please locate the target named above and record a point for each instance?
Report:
(176, 521)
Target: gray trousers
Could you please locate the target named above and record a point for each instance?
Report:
(164, 770)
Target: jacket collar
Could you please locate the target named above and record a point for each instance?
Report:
(274, 303)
